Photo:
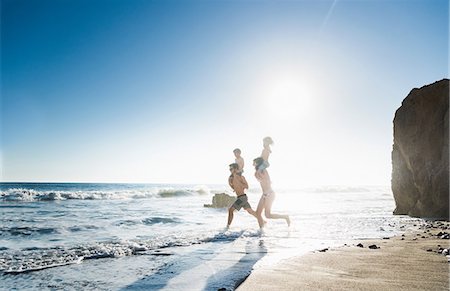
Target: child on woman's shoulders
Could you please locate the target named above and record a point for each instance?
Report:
(267, 142)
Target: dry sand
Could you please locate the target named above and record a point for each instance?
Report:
(401, 263)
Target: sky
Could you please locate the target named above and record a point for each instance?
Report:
(163, 91)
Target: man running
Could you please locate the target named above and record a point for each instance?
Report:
(238, 183)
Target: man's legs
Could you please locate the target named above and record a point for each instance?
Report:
(230, 215)
(258, 216)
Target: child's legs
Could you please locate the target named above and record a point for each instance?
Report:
(263, 166)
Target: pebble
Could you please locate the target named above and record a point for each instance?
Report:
(360, 245)
(373, 247)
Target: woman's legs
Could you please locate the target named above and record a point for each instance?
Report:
(268, 201)
(261, 205)
(260, 209)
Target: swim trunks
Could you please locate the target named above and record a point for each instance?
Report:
(241, 202)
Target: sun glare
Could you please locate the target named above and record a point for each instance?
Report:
(288, 99)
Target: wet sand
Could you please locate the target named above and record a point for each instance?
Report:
(412, 261)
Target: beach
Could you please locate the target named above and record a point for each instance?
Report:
(415, 260)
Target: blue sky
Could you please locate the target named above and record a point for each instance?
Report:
(162, 91)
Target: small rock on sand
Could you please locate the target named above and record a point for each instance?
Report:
(221, 200)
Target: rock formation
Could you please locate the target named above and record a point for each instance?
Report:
(420, 169)
(221, 200)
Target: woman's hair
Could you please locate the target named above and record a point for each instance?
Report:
(258, 162)
(268, 140)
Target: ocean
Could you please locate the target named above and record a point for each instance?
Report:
(80, 236)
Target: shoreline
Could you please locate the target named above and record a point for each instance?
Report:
(415, 260)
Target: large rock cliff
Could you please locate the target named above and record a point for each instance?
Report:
(420, 173)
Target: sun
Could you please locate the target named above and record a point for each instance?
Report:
(288, 98)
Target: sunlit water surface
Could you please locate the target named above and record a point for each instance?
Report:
(147, 237)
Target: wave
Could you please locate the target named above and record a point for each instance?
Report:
(35, 259)
(31, 195)
(82, 228)
(147, 221)
(27, 231)
(157, 220)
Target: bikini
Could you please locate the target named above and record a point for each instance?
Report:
(267, 195)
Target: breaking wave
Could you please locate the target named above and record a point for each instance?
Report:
(30, 195)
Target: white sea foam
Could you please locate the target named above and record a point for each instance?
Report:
(30, 195)
(35, 259)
